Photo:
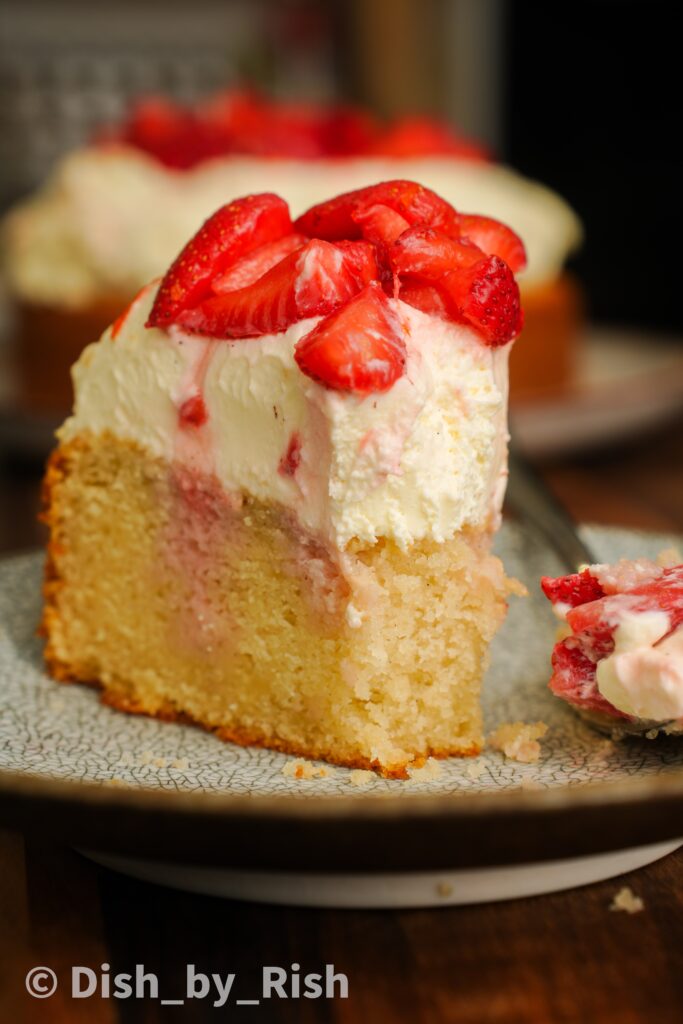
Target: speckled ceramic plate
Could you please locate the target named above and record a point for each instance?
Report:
(90, 775)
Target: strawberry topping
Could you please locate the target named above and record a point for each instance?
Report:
(429, 254)
(359, 348)
(486, 296)
(577, 588)
(343, 217)
(257, 263)
(231, 233)
(495, 239)
(311, 281)
(250, 272)
(243, 121)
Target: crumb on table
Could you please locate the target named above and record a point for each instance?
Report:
(627, 901)
(519, 740)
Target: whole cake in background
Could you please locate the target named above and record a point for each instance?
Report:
(619, 660)
(113, 214)
(272, 509)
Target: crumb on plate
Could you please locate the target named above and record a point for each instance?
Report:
(475, 770)
(426, 772)
(519, 740)
(668, 558)
(306, 770)
(360, 777)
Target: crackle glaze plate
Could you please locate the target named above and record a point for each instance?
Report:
(80, 772)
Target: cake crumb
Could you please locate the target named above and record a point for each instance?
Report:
(146, 757)
(475, 770)
(519, 740)
(668, 558)
(159, 762)
(427, 772)
(516, 587)
(531, 785)
(306, 770)
(627, 901)
(181, 763)
(444, 889)
(114, 781)
(360, 777)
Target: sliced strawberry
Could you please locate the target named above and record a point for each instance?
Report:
(379, 223)
(573, 679)
(486, 296)
(495, 239)
(311, 281)
(165, 130)
(422, 136)
(429, 254)
(575, 589)
(337, 218)
(257, 263)
(232, 232)
(422, 296)
(358, 348)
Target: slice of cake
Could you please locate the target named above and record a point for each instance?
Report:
(271, 511)
(621, 661)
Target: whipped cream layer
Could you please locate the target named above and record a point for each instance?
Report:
(109, 220)
(643, 677)
(423, 460)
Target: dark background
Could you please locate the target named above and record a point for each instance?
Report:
(592, 109)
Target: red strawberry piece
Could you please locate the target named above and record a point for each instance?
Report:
(193, 412)
(231, 233)
(429, 254)
(336, 218)
(577, 588)
(422, 296)
(594, 623)
(358, 348)
(495, 239)
(257, 263)
(311, 281)
(379, 223)
(421, 136)
(573, 679)
(290, 461)
(486, 296)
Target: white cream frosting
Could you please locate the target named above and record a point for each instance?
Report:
(643, 677)
(109, 220)
(423, 460)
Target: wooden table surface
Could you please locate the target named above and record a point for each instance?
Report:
(564, 957)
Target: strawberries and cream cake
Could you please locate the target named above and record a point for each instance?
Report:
(620, 663)
(113, 214)
(271, 511)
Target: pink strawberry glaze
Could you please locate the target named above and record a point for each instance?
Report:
(290, 461)
(202, 521)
